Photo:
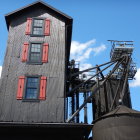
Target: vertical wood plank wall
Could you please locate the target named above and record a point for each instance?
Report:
(52, 109)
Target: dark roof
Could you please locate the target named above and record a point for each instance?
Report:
(17, 12)
(120, 110)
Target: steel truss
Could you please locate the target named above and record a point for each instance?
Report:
(79, 85)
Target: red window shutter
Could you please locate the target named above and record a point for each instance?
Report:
(20, 88)
(28, 26)
(45, 52)
(47, 27)
(43, 85)
(25, 52)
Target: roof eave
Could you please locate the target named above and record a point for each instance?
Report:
(14, 13)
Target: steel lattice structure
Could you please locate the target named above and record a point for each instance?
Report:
(121, 69)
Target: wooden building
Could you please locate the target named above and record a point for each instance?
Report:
(33, 80)
(34, 70)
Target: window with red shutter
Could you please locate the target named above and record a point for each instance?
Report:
(35, 88)
(38, 27)
(20, 88)
(45, 52)
(25, 52)
(43, 85)
(32, 88)
(28, 26)
(35, 53)
(47, 27)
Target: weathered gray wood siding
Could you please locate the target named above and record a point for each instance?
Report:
(52, 109)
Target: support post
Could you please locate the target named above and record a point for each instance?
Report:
(85, 108)
(77, 106)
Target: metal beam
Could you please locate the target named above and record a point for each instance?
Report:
(106, 99)
(91, 96)
(126, 78)
(89, 79)
(77, 73)
(85, 108)
(116, 93)
(77, 106)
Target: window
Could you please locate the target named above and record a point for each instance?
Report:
(32, 86)
(38, 27)
(35, 52)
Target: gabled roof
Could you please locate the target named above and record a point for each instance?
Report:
(68, 20)
(39, 3)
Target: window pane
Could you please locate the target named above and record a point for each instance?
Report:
(32, 88)
(38, 22)
(35, 57)
(31, 94)
(32, 82)
(35, 47)
(35, 53)
(37, 31)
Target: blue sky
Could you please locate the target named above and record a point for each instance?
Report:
(95, 22)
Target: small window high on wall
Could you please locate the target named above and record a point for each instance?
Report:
(38, 26)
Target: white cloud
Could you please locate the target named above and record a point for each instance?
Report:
(85, 55)
(136, 82)
(0, 70)
(85, 66)
(99, 49)
(82, 51)
(78, 48)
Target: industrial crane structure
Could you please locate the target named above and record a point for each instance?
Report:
(99, 89)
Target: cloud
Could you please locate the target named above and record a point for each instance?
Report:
(0, 70)
(78, 48)
(85, 66)
(136, 82)
(99, 49)
(85, 55)
(82, 51)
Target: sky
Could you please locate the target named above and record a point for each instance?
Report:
(94, 22)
